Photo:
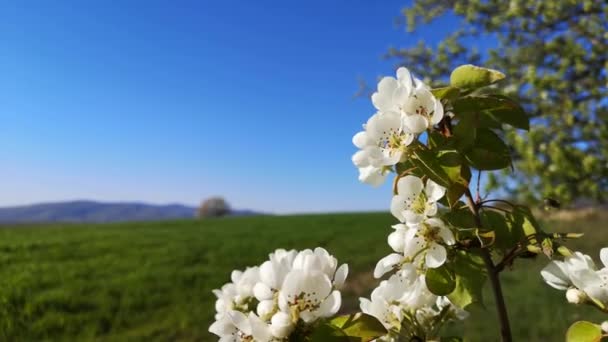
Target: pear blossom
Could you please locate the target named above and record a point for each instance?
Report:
(397, 300)
(237, 327)
(421, 246)
(266, 303)
(237, 294)
(411, 98)
(579, 276)
(381, 145)
(415, 200)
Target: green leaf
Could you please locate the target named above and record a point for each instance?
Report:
(362, 327)
(451, 339)
(489, 152)
(428, 163)
(507, 234)
(460, 218)
(472, 77)
(490, 110)
(470, 274)
(465, 133)
(440, 281)
(328, 333)
(448, 93)
(437, 140)
(583, 331)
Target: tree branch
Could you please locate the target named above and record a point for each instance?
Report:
(503, 317)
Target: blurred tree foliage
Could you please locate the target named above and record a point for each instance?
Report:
(556, 56)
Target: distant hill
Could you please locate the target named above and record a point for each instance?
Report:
(91, 211)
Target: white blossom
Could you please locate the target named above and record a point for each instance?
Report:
(266, 303)
(415, 200)
(409, 97)
(579, 276)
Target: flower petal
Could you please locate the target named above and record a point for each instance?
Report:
(330, 305)
(434, 191)
(387, 264)
(398, 205)
(409, 187)
(360, 140)
(555, 275)
(415, 123)
(340, 276)
(435, 255)
(437, 113)
(604, 256)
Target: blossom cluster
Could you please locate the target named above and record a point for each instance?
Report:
(403, 302)
(405, 108)
(578, 275)
(288, 291)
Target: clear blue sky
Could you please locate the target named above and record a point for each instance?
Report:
(175, 101)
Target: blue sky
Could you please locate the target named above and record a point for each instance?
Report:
(163, 101)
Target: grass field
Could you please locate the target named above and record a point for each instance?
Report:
(153, 281)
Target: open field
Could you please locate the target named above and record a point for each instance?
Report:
(153, 281)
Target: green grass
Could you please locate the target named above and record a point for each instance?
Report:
(153, 281)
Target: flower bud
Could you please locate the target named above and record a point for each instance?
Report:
(604, 326)
(576, 296)
(281, 325)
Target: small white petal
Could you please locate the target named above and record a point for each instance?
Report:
(341, 274)
(396, 240)
(604, 256)
(434, 191)
(398, 206)
(555, 275)
(409, 187)
(281, 325)
(262, 291)
(405, 78)
(446, 235)
(415, 123)
(386, 264)
(330, 305)
(435, 255)
(361, 158)
(360, 140)
(437, 113)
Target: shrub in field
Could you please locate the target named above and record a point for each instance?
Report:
(447, 240)
(213, 207)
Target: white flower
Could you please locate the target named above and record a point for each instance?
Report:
(391, 90)
(237, 326)
(383, 141)
(410, 98)
(290, 288)
(578, 272)
(384, 303)
(419, 248)
(415, 201)
(423, 245)
(237, 294)
(421, 110)
(558, 274)
(309, 295)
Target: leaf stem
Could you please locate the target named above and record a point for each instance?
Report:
(493, 273)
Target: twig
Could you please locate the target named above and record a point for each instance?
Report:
(503, 317)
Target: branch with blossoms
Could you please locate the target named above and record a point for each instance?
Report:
(446, 241)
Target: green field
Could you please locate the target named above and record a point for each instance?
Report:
(153, 281)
